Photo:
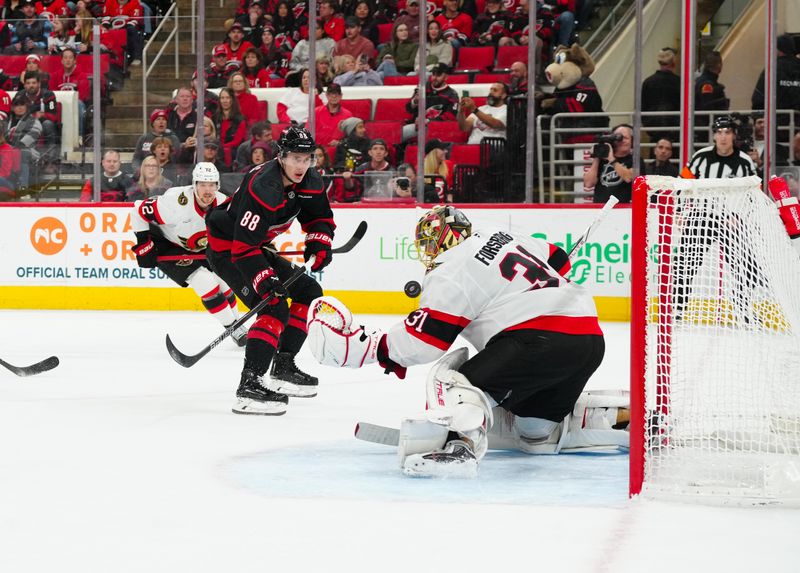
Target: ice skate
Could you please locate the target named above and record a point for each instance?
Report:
(456, 459)
(287, 378)
(253, 398)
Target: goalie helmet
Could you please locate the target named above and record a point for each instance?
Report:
(296, 140)
(205, 172)
(440, 229)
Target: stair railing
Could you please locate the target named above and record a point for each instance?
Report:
(171, 15)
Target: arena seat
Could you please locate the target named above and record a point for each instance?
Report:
(277, 83)
(465, 154)
(458, 79)
(507, 55)
(400, 80)
(447, 131)
(390, 131)
(384, 33)
(391, 109)
(491, 78)
(475, 59)
(262, 109)
(360, 108)
(277, 129)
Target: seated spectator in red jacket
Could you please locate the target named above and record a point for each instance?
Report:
(114, 184)
(29, 33)
(131, 14)
(218, 71)
(329, 116)
(253, 69)
(32, 64)
(5, 104)
(158, 129)
(332, 21)
(248, 103)
(71, 79)
(236, 45)
(7, 166)
(52, 8)
(231, 126)
(456, 25)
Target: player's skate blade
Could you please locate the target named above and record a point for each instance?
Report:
(252, 407)
(285, 377)
(456, 460)
(253, 398)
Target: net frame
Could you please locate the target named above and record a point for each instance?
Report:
(730, 436)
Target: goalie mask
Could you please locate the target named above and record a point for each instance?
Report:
(440, 229)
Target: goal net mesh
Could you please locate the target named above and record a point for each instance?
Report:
(722, 348)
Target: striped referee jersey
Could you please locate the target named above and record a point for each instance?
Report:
(707, 164)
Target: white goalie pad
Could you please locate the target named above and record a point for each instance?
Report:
(334, 341)
(419, 436)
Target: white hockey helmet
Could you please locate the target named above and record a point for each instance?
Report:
(205, 171)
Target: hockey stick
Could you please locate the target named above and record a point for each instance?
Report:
(188, 360)
(38, 368)
(612, 201)
(346, 248)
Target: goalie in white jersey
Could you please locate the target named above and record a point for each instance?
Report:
(538, 342)
(171, 235)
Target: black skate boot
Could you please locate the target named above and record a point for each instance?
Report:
(287, 378)
(456, 459)
(253, 398)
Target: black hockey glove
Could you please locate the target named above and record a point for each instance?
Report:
(318, 244)
(268, 286)
(146, 254)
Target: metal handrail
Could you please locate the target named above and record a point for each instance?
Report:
(145, 69)
(610, 21)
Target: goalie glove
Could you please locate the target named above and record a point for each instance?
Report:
(334, 341)
(788, 206)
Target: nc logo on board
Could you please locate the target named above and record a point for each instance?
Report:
(48, 236)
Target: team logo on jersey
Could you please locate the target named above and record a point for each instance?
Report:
(182, 199)
(183, 263)
(290, 194)
(197, 242)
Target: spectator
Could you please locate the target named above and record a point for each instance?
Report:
(132, 14)
(611, 171)
(8, 167)
(61, 36)
(488, 120)
(260, 132)
(218, 72)
(795, 159)
(158, 129)
(491, 26)
(300, 54)
(351, 186)
(83, 30)
(42, 104)
(30, 32)
(329, 116)
(518, 85)
(456, 25)
(360, 74)
(787, 80)
(405, 189)
(151, 181)
(662, 165)
(322, 163)
(441, 101)
(51, 9)
(367, 21)
(161, 148)
(70, 78)
(293, 105)
(252, 23)
(236, 45)
(439, 51)
(331, 21)
(722, 159)
(32, 64)
(397, 57)
(211, 153)
(755, 148)
(5, 105)
(353, 42)
(260, 153)
(565, 21)
(411, 20)
(114, 184)
(254, 71)
(275, 58)
(210, 99)
(352, 150)
(11, 10)
(324, 73)
(230, 125)
(182, 117)
(283, 21)
(438, 170)
(24, 130)
(248, 103)
(662, 92)
(709, 94)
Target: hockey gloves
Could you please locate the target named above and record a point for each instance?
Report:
(268, 286)
(146, 255)
(319, 245)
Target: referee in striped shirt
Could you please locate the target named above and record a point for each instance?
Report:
(702, 227)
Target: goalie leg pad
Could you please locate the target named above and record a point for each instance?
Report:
(419, 436)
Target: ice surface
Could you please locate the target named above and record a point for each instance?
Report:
(120, 460)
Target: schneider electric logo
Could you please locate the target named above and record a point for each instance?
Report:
(600, 263)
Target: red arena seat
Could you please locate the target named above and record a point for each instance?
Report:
(390, 131)
(400, 81)
(491, 78)
(360, 108)
(447, 131)
(384, 33)
(507, 55)
(476, 59)
(465, 154)
(391, 109)
(277, 129)
(458, 79)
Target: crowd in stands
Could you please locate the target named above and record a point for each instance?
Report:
(358, 43)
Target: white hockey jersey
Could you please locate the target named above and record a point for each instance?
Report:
(492, 282)
(178, 216)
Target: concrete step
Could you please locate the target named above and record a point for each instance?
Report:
(133, 97)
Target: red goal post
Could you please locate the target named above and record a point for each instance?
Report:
(715, 344)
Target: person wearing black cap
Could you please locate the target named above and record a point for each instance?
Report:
(329, 116)
(252, 22)
(378, 154)
(441, 101)
(30, 33)
(723, 159)
(158, 128)
(787, 82)
(236, 45)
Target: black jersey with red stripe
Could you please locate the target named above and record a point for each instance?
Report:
(263, 208)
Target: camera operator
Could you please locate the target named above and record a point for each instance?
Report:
(611, 171)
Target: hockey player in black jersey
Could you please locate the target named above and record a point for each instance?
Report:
(240, 231)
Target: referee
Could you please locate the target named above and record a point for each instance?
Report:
(723, 159)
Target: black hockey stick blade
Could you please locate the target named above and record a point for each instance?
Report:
(33, 369)
(359, 233)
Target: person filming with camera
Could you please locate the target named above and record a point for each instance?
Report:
(611, 171)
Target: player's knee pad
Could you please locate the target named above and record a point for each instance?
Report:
(203, 281)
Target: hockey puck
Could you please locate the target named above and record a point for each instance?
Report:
(412, 289)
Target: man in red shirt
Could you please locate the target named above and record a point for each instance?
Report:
(456, 25)
(236, 44)
(132, 13)
(329, 116)
(70, 78)
(332, 22)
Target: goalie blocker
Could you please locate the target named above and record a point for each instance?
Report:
(788, 207)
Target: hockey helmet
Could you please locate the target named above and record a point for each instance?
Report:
(296, 140)
(205, 172)
(724, 122)
(438, 230)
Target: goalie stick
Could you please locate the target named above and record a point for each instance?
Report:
(33, 369)
(391, 436)
(189, 360)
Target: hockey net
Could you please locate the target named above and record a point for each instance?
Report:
(715, 344)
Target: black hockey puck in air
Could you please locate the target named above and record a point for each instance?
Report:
(412, 289)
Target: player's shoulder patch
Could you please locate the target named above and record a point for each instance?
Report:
(706, 88)
(183, 200)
